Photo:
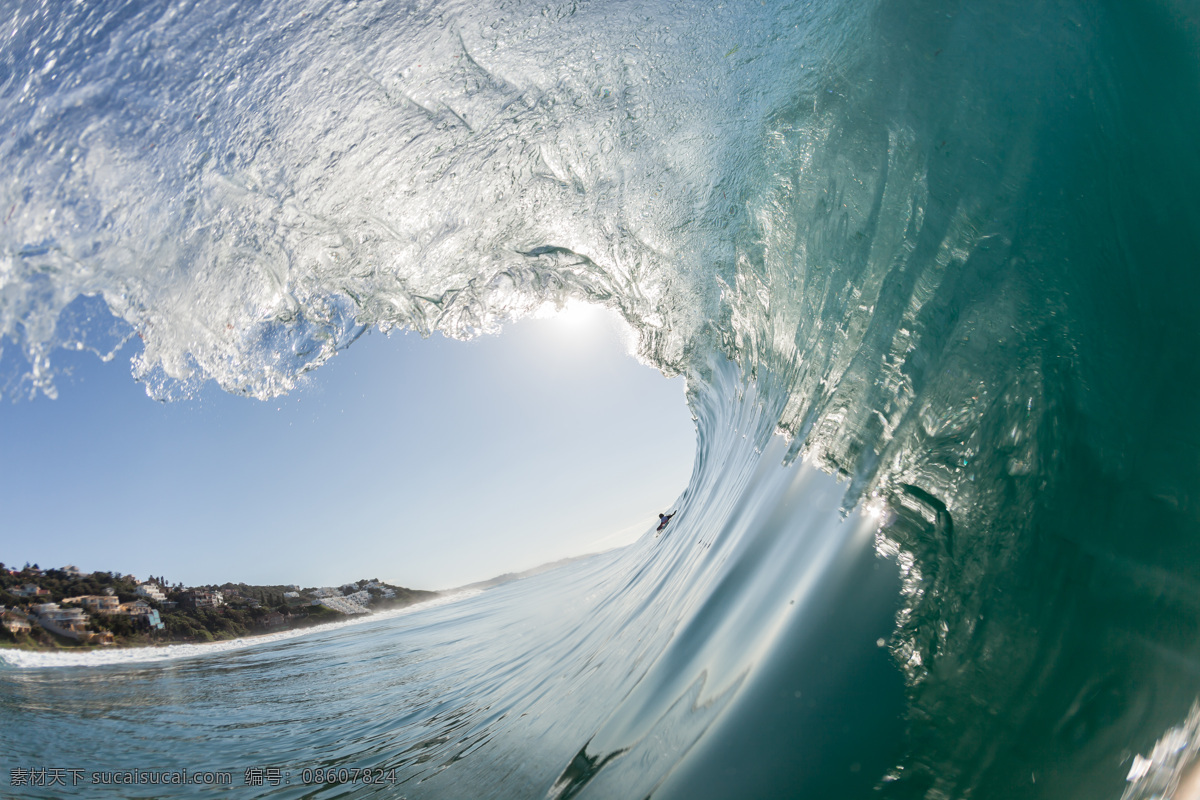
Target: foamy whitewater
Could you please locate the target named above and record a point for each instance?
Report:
(928, 267)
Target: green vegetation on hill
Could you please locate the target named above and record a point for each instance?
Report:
(246, 609)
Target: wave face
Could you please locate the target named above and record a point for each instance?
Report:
(944, 252)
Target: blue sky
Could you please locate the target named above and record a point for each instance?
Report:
(425, 462)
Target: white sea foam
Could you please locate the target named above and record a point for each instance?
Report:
(26, 659)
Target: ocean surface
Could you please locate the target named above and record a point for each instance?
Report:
(929, 268)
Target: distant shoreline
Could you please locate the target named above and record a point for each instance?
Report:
(126, 643)
(64, 610)
(62, 616)
(21, 658)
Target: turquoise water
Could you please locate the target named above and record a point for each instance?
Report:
(928, 268)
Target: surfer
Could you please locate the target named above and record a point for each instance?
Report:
(663, 519)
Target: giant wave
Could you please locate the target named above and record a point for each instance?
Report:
(942, 252)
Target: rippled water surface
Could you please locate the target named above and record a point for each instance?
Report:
(929, 270)
(601, 677)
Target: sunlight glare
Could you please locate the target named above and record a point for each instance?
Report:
(578, 320)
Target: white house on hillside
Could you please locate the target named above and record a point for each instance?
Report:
(151, 590)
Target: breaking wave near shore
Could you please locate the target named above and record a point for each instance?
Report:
(929, 271)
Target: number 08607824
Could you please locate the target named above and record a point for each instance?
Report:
(349, 775)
